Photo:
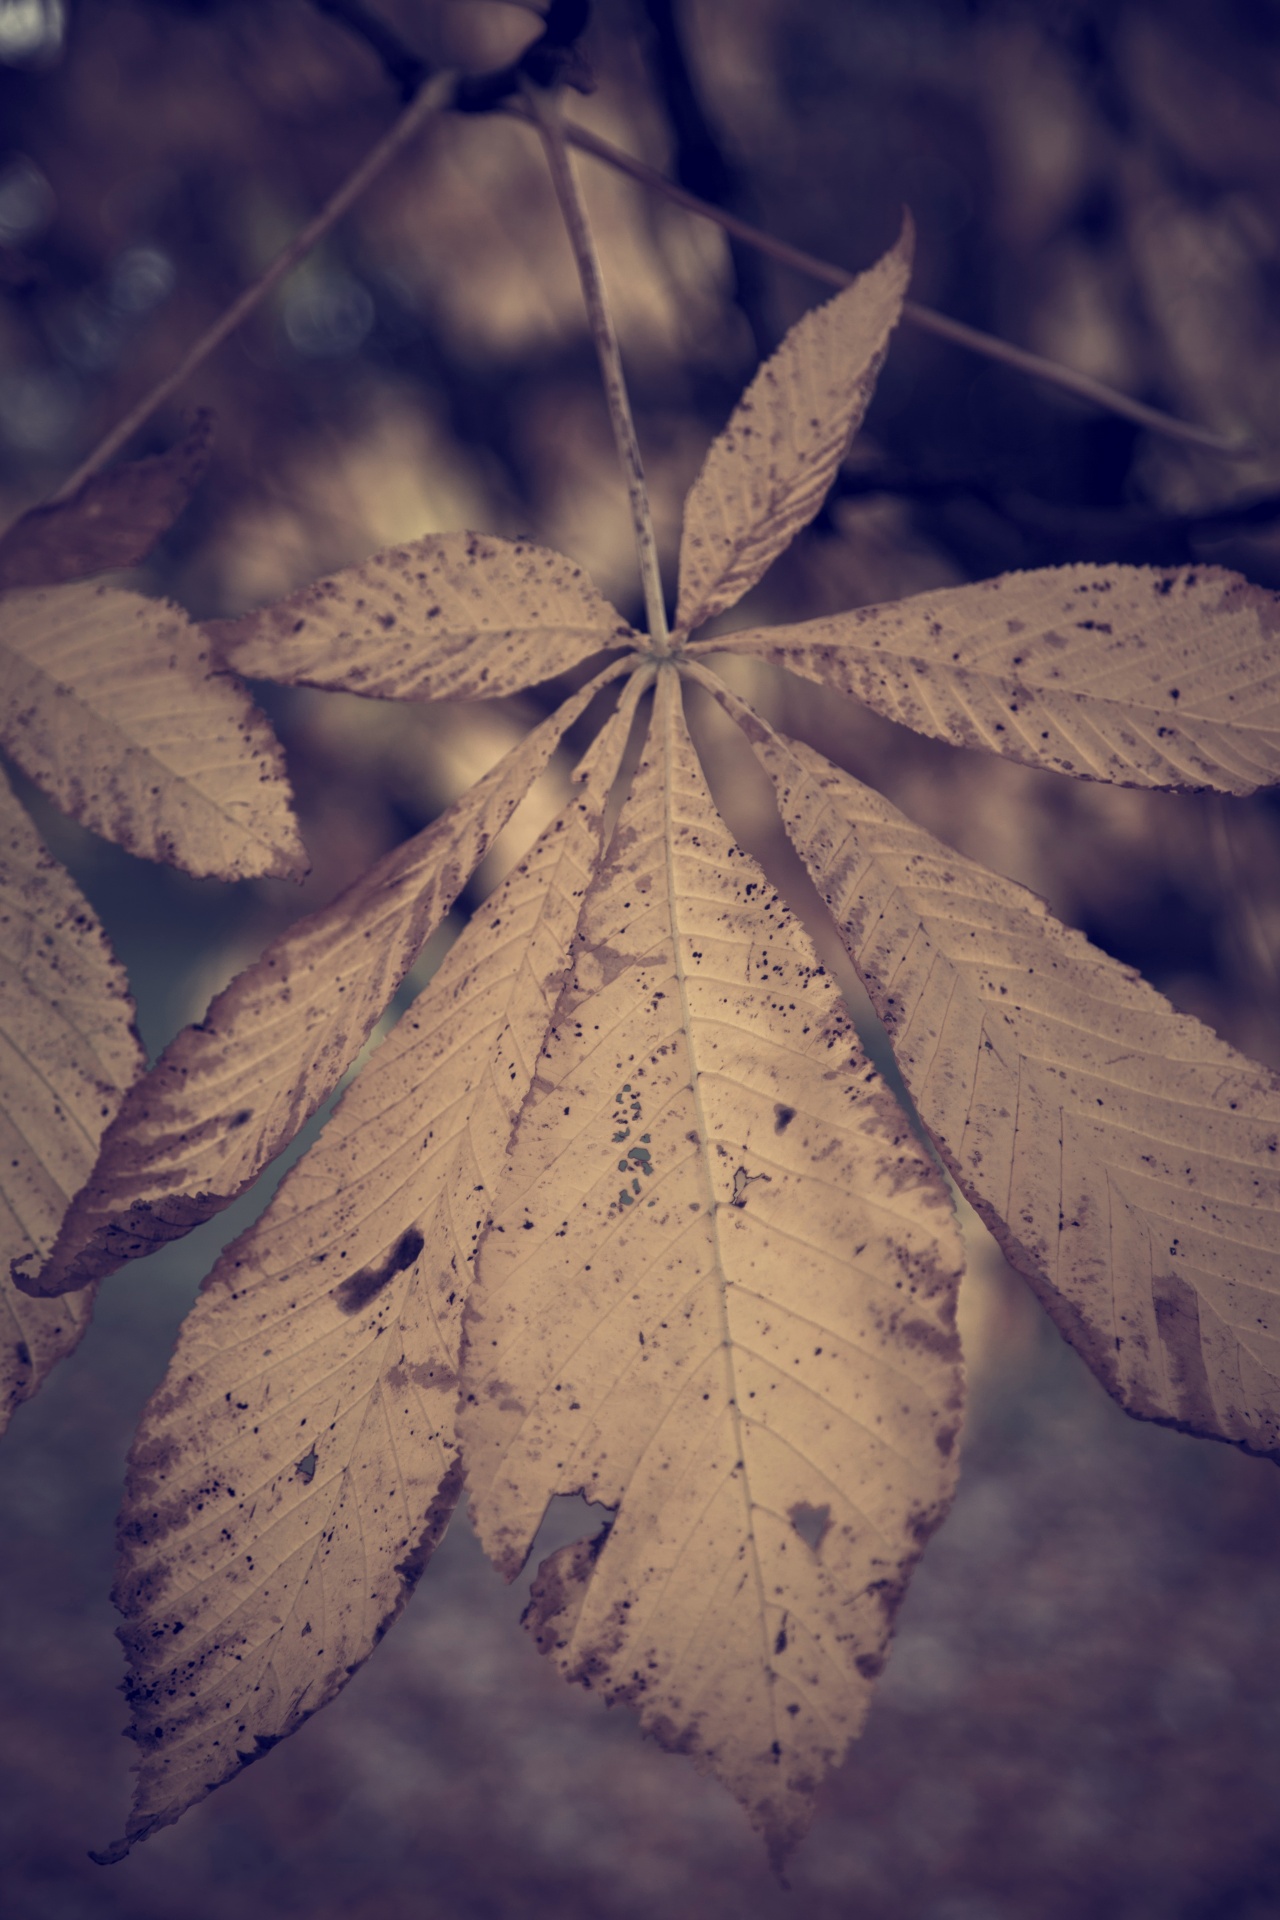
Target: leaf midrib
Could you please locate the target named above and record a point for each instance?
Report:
(671, 695)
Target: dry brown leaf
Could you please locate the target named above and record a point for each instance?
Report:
(227, 1095)
(113, 520)
(718, 1295)
(67, 1052)
(768, 472)
(1127, 1160)
(113, 707)
(455, 616)
(319, 1366)
(1144, 677)
(716, 1271)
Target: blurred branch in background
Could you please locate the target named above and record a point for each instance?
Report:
(700, 163)
(706, 182)
(1082, 385)
(431, 100)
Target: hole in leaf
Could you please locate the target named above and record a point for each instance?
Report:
(568, 1517)
(811, 1523)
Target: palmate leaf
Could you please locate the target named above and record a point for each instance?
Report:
(319, 1367)
(719, 1296)
(716, 1274)
(68, 1050)
(1141, 676)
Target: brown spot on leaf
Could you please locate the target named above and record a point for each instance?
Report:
(358, 1289)
(926, 1337)
(423, 1374)
(1178, 1317)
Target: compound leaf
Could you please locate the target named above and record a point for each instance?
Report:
(455, 616)
(1143, 677)
(717, 1297)
(620, 1209)
(114, 708)
(67, 1052)
(319, 1366)
(768, 472)
(226, 1096)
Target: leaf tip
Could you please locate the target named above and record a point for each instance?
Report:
(112, 1855)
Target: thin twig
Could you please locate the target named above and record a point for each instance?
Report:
(986, 344)
(433, 99)
(545, 111)
(495, 91)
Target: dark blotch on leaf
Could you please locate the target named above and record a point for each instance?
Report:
(358, 1289)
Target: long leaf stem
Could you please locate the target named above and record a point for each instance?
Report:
(545, 111)
(433, 99)
(1066, 379)
(380, 37)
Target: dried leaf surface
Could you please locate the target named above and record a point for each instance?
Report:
(114, 520)
(227, 1095)
(767, 474)
(113, 706)
(67, 1052)
(1135, 675)
(1127, 1160)
(718, 1295)
(319, 1367)
(456, 616)
(716, 1272)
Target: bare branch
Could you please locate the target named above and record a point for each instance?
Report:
(551, 126)
(496, 92)
(1066, 379)
(433, 99)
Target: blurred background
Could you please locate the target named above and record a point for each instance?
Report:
(1082, 1716)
